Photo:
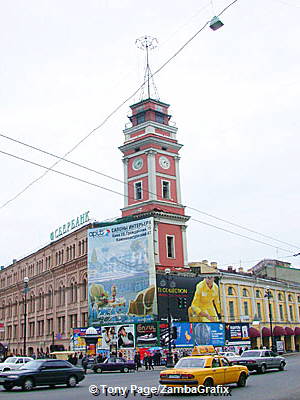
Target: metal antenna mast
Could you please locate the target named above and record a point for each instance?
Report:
(147, 43)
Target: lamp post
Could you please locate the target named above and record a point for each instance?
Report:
(169, 354)
(26, 290)
(268, 294)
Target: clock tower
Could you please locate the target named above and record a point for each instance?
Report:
(152, 180)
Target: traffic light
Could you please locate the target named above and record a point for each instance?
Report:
(181, 302)
(174, 332)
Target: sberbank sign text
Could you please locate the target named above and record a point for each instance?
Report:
(74, 223)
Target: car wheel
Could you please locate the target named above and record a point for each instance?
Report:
(28, 384)
(125, 369)
(8, 386)
(6, 369)
(72, 381)
(281, 366)
(242, 380)
(98, 370)
(262, 369)
(208, 382)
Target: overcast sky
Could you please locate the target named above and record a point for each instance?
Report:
(234, 95)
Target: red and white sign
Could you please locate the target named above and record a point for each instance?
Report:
(2, 327)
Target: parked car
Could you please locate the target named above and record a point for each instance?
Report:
(42, 372)
(230, 355)
(13, 363)
(114, 364)
(261, 360)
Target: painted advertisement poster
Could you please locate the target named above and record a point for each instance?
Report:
(77, 340)
(209, 334)
(189, 299)
(119, 336)
(121, 273)
(184, 331)
(237, 332)
(146, 334)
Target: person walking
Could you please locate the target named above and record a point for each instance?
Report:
(84, 363)
(150, 362)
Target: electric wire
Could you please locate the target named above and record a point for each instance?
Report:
(114, 111)
(146, 191)
(130, 197)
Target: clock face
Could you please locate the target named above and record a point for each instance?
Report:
(164, 162)
(137, 164)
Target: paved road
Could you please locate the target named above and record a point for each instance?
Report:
(275, 385)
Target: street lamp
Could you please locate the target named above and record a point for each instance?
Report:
(268, 294)
(169, 355)
(26, 290)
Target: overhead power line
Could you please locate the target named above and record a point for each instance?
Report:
(145, 190)
(115, 110)
(130, 197)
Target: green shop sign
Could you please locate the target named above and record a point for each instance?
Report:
(74, 223)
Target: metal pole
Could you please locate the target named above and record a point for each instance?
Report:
(25, 317)
(169, 356)
(270, 317)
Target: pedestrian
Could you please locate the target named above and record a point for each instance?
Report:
(150, 362)
(84, 363)
(146, 361)
(75, 359)
(137, 361)
(240, 350)
(176, 359)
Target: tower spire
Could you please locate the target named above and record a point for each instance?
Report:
(147, 43)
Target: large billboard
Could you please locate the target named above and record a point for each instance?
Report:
(121, 336)
(189, 298)
(237, 332)
(146, 334)
(121, 273)
(199, 333)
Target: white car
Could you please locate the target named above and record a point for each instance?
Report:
(13, 363)
(230, 355)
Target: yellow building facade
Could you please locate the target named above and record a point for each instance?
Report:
(264, 303)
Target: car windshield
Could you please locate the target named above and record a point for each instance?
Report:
(32, 365)
(11, 360)
(190, 363)
(251, 354)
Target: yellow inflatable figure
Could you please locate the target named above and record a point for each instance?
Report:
(205, 306)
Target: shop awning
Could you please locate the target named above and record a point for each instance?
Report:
(297, 330)
(289, 331)
(279, 331)
(266, 332)
(253, 333)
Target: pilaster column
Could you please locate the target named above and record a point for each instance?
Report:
(125, 162)
(254, 310)
(276, 311)
(178, 186)
(151, 174)
(240, 308)
(223, 302)
(287, 307)
(156, 246)
(184, 245)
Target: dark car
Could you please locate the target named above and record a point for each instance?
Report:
(114, 364)
(261, 360)
(42, 372)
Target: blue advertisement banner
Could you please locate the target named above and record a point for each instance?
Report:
(197, 334)
(121, 273)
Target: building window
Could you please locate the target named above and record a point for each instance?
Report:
(259, 310)
(298, 299)
(170, 247)
(165, 189)
(84, 290)
(290, 297)
(291, 313)
(138, 191)
(84, 319)
(159, 118)
(257, 293)
(140, 118)
(245, 293)
(230, 291)
(231, 310)
(280, 296)
(246, 310)
(281, 312)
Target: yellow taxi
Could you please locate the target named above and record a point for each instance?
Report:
(204, 368)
